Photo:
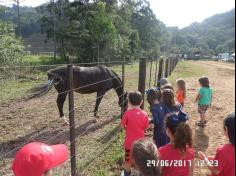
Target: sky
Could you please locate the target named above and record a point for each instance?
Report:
(179, 13)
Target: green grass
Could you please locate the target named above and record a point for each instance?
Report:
(186, 69)
(15, 89)
(41, 60)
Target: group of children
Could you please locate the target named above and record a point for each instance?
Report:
(171, 152)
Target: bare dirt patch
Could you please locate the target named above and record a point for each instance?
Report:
(222, 81)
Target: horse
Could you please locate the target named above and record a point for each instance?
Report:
(86, 80)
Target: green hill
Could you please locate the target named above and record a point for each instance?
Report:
(214, 35)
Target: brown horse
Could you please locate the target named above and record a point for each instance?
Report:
(87, 80)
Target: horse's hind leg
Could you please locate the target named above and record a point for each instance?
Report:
(60, 103)
(98, 101)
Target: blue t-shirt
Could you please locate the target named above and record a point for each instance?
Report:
(159, 112)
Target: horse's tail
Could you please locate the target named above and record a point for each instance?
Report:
(41, 90)
(44, 88)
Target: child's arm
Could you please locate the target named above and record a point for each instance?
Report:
(213, 169)
(123, 122)
(197, 98)
(211, 99)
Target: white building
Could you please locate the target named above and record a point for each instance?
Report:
(224, 56)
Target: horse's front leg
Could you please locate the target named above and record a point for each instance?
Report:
(60, 103)
(98, 101)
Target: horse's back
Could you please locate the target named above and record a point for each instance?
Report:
(92, 79)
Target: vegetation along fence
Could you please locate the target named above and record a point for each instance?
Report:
(23, 120)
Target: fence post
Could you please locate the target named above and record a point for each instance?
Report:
(166, 68)
(160, 72)
(150, 74)
(170, 66)
(155, 80)
(71, 118)
(123, 85)
(142, 77)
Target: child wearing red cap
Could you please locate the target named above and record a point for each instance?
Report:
(177, 157)
(223, 163)
(134, 121)
(37, 159)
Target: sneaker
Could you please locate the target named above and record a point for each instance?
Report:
(125, 173)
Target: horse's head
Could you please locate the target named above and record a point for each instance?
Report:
(123, 101)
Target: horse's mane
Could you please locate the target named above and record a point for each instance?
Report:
(116, 75)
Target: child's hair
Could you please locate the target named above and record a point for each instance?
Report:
(163, 81)
(143, 151)
(168, 97)
(152, 95)
(181, 131)
(229, 122)
(167, 86)
(181, 84)
(135, 98)
(204, 81)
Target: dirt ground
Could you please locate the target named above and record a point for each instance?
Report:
(37, 120)
(222, 80)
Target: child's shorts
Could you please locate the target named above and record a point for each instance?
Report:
(202, 109)
(128, 157)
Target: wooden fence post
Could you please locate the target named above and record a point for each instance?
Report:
(123, 85)
(71, 118)
(170, 66)
(160, 72)
(150, 74)
(166, 68)
(142, 77)
(155, 80)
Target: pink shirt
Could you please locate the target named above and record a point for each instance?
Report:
(225, 155)
(135, 121)
(176, 165)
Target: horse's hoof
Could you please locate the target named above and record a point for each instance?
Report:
(95, 120)
(97, 116)
(65, 120)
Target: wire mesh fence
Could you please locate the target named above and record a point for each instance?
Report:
(23, 121)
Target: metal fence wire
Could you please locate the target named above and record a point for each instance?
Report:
(37, 119)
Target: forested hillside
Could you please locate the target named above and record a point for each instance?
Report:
(114, 29)
(214, 35)
(95, 30)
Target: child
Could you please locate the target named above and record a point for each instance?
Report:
(153, 96)
(204, 99)
(181, 91)
(159, 111)
(135, 121)
(167, 86)
(163, 81)
(38, 159)
(225, 155)
(178, 155)
(144, 154)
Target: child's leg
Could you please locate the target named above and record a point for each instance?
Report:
(127, 166)
(127, 169)
(201, 111)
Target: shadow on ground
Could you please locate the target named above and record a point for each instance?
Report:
(61, 135)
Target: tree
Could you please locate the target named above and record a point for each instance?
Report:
(11, 48)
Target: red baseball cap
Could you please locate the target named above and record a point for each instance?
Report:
(35, 158)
